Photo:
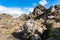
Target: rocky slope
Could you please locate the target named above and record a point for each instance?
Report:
(41, 24)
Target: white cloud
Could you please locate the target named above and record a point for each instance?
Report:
(34, 4)
(14, 11)
(9, 10)
(31, 9)
(28, 9)
(43, 2)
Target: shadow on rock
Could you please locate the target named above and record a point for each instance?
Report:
(18, 35)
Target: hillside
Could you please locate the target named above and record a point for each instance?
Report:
(41, 24)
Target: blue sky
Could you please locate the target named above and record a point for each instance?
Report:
(18, 3)
(23, 6)
(25, 3)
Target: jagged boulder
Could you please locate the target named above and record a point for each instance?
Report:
(35, 25)
(55, 11)
(32, 26)
(39, 25)
(38, 10)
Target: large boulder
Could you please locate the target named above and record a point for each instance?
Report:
(32, 25)
(38, 10)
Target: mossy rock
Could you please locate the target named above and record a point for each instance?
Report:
(53, 33)
(57, 20)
